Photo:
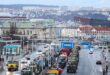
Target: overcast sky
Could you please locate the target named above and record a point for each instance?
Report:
(80, 3)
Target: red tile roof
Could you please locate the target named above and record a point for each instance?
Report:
(86, 28)
(102, 28)
(90, 28)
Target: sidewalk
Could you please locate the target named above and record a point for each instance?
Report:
(108, 63)
(1, 68)
(1, 65)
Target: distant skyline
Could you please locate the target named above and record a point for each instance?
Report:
(73, 3)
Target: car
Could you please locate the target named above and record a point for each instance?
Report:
(46, 46)
(91, 52)
(109, 50)
(98, 62)
(27, 58)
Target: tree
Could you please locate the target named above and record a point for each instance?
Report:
(44, 31)
(7, 33)
(13, 29)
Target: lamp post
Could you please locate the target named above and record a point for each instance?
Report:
(32, 45)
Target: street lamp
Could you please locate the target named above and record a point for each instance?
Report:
(32, 45)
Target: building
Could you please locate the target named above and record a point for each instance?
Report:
(97, 32)
(36, 28)
(87, 31)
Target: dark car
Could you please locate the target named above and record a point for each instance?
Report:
(98, 62)
(109, 50)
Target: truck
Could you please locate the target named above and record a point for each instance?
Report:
(73, 60)
(72, 66)
(66, 47)
(66, 51)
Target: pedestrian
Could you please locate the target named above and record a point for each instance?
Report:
(106, 68)
(49, 66)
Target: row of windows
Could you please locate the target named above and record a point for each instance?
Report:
(21, 32)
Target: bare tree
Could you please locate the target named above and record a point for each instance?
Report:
(13, 29)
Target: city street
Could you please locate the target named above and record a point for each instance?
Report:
(87, 63)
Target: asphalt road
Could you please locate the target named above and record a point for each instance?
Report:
(87, 63)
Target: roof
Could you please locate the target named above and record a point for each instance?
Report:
(102, 28)
(86, 28)
(8, 40)
(11, 46)
(91, 28)
(25, 24)
(20, 24)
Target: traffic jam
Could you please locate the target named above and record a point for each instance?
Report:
(50, 60)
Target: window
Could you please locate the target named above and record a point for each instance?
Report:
(30, 31)
(14, 51)
(3, 32)
(24, 31)
(27, 31)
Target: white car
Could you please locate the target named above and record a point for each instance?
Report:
(91, 51)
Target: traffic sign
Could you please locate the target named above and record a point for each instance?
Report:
(67, 44)
(86, 44)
